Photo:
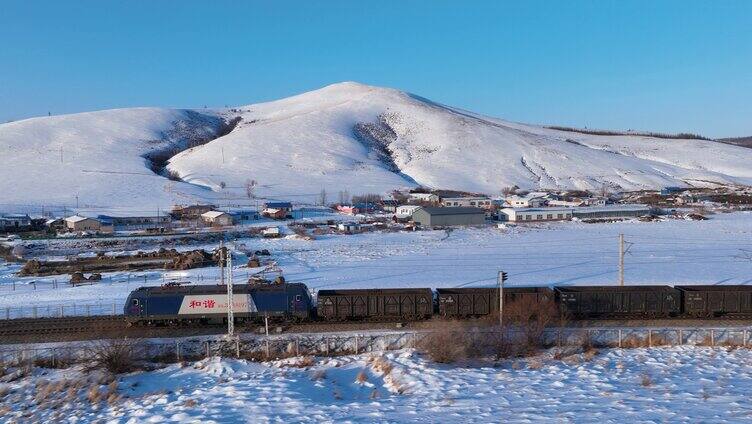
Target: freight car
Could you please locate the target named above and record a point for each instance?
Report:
(478, 302)
(580, 302)
(208, 303)
(717, 301)
(376, 304)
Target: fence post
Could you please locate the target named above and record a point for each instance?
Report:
(61, 311)
(88, 310)
(114, 306)
(558, 338)
(7, 312)
(681, 337)
(744, 338)
(712, 337)
(177, 350)
(297, 346)
(206, 343)
(650, 338)
(356, 344)
(620, 338)
(326, 343)
(237, 347)
(34, 310)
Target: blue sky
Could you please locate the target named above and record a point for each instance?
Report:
(648, 65)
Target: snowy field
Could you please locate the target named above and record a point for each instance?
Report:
(678, 384)
(673, 252)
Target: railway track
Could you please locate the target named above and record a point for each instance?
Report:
(67, 325)
(36, 330)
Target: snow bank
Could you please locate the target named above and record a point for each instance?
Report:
(637, 385)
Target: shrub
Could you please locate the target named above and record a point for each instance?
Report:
(530, 317)
(446, 344)
(115, 356)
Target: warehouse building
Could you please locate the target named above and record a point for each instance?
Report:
(448, 217)
(78, 223)
(535, 214)
(611, 212)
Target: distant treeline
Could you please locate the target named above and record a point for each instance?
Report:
(645, 134)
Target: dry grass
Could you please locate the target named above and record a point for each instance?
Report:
(646, 381)
(634, 342)
(589, 354)
(319, 374)
(381, 364)
(362, 377)
(303, 362)
(190, 403)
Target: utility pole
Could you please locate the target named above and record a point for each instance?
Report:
(621, 260)
(501, 277)
(222, 262)
(230, 311)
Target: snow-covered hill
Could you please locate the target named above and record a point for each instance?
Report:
(346, 136)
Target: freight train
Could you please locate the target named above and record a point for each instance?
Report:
(289, 302)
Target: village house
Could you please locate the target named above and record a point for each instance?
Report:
(667, 191)
(15, 222)
(424, 197)
(348, 227)
(277, 210)
(533, 200)
(389, 205)
(133, 223)
(241, 215)
(535, 214)
(271, 232)
(468, 202)
(190, 212)
(217, 218)
(577, 202)
(55, 224)
(448, 216)
(357, 208)
(78, 223)
(406, 211)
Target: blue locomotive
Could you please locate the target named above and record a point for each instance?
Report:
(207, 304)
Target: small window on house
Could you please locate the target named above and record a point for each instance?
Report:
(549, 216)
(472, 203)
(540, 216)
(560, 216)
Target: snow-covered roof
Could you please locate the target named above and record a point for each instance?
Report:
(76, 218)
(213, 214)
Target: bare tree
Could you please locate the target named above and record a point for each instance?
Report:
(509, 190)
(322, 197)
(250, 187)
(344, 197)
(367, 198)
